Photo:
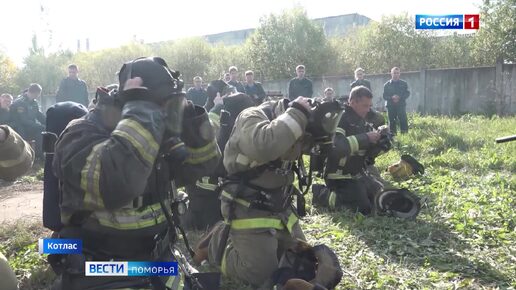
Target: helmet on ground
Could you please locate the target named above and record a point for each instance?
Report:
(400, 203)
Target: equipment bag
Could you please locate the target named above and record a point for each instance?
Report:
(58, 117)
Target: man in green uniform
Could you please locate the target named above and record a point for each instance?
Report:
(116, 175)
(27, 119)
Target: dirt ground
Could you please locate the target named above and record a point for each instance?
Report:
(21, 200)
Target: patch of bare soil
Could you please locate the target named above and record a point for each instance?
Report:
(21, 200)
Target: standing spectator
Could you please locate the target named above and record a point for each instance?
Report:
(359, 79)
(72, 88)
(27, 119)
(197, 94)
(233, 81)
(253, 89)
(395, 92)
(300, 86)
(6, 101)
(328, 95)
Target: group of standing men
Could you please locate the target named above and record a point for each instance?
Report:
(23, 114)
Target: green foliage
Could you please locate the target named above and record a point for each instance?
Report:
(99, 68)
(190, 56)
(496, 38)
(8, 72)
(47, 70)
(281, 42)
(19, 242)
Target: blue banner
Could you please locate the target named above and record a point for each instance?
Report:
(147, 269)
(455, 21)
(60, 246)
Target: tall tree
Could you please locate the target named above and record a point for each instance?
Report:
(496, 38)
(283, 41)
(393, 41)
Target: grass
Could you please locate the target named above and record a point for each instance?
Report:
(464, 238)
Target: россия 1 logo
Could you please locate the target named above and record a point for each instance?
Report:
(455, 21)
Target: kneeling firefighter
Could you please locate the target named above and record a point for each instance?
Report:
(348, 182)
(260, 223)
(118, 176)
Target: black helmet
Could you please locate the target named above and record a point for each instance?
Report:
(324, 118)
(398, 203)
(158, 78)
(236, 103)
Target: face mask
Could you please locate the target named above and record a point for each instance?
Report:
(324, 119)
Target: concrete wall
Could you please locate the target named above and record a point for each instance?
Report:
(436, 91)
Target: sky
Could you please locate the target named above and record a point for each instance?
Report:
(110, 23)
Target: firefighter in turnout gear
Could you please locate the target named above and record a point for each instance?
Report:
(260, 223)
(118, 174)
(348, 183)
(204, 203)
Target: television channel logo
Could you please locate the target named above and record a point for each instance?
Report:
(453, 21)
(131, 269)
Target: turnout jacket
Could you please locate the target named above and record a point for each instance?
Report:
(256, 140)
(347, 158)
(109, 181)
(16, 155)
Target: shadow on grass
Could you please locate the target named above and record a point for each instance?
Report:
(422, 243)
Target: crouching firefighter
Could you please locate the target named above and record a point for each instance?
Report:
(348, 183)
(118, 167)
(203, 196)
(260, 223)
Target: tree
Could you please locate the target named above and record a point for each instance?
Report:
(393, 41)
(191, 56)
(496, 38)
(8, 72)
(222, 57)
(45, 70)
(99, 68)
(281, 42)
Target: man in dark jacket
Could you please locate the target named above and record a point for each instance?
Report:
(197, 94)
(233, 80)
(27, 119)
(254, 89)
(395, 92)
(300, 86)
(359, 79)
(72, 88)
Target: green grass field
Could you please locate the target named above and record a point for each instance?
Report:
(464, 238)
